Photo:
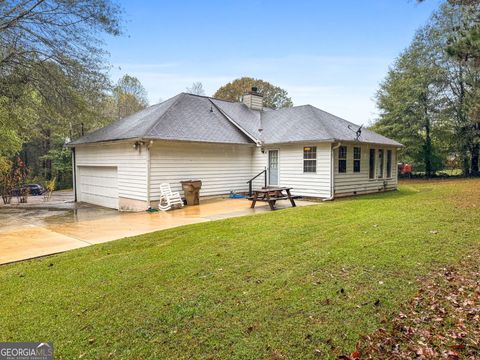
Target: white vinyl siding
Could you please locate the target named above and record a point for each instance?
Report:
(131, 165)
(224, 168)
(352, 182)
(310, 184)
(221, 168)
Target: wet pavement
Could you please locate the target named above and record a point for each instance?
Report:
(44, 229)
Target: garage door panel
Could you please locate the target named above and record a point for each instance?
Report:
(98, 185)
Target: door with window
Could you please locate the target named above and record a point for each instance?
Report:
(273, 167)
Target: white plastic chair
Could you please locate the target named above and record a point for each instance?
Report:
(168, 199)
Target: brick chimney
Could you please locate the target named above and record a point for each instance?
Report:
(253, 99)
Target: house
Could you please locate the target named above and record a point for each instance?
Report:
(225, 144)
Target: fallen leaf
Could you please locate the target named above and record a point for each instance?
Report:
(452, 354)
(277, 356)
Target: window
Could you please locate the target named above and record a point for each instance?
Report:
(371, 164)
(310, 159)
(357, 155)
(342, 159)
(389, 163)
(380, 162)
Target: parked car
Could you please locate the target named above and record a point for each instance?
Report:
(33, 189)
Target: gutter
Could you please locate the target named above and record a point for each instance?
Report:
(71, 145)
(322, 141)
(332, 172)
(148, 146)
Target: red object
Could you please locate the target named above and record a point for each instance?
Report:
(355, 355)
(407, 169)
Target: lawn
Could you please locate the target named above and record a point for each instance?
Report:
(298, 283)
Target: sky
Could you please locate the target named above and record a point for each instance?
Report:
(330, 54)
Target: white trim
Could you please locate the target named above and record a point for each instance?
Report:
(332, 171)
(316, 159)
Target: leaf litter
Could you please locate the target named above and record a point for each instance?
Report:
(441, 322)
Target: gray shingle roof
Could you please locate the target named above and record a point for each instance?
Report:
(248, 120)
(198, 118)
(194, 118)
(307, 123)
(183, 117)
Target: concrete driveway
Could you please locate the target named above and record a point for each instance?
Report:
(39, 229)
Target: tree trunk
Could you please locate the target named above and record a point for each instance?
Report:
(427, 147)
(47, 163)
(475, 154)
(465, 163)
(462, 121)
(427, 153)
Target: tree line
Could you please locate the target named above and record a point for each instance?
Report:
(430, 98)
(54, 84)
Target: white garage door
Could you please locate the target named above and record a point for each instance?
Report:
(98, 185)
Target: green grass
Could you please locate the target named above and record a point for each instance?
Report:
(292, 282)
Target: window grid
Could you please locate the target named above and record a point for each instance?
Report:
(342, 159)
(310, 159)
(380, 163)
(357, 156)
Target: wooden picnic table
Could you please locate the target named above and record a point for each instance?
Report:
(272, 194)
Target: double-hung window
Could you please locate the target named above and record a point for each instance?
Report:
(342, 159)
(310, 159)
(357, 156)
(381, 155)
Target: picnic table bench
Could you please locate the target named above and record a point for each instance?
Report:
(271, 195)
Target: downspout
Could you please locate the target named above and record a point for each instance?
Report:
(74, 173)
(148, 146)
(332, 172)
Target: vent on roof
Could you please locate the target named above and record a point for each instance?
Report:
(253, 99)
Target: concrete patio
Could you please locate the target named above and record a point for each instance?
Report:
(39, 229)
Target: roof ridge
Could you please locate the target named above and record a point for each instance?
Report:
(211, 98)
(329, 113)
(179, 96)
(312, 109)
(232, 121)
